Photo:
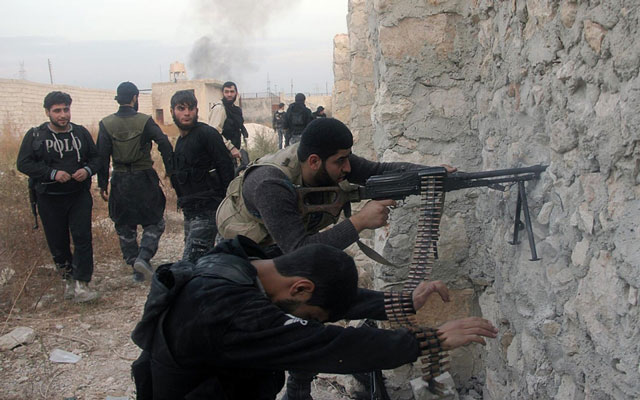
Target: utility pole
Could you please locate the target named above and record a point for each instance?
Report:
(22, 73)
(268, 85)
(291, 87)
(50, 73)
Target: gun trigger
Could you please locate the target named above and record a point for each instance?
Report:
(496, 186)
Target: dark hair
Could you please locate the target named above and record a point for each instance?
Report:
(125, 92)
(300, 97)
(56, 98)
(229, 84)
(324, 137)
(331, 270)
(185, 97)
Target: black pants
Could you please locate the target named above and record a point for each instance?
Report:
(63, 214)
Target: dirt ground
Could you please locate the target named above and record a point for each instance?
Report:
(98, 332)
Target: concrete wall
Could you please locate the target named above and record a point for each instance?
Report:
(496, 84)
(21, 104)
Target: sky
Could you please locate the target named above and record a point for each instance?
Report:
(98, 44)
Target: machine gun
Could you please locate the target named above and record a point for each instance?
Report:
(399, 185)
(431, 184)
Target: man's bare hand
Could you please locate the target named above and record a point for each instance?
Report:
(104, 193)
(80, 175)
(449, 168)
(62, 177)
(235, 153)
(461, 332)
(425, 289)
(373, 215)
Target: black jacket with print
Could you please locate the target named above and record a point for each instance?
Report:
(43, 153)
(209, 331)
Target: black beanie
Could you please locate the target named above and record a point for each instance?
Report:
(324, 137)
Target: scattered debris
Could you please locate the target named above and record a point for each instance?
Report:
(61, 356)
(19, 336)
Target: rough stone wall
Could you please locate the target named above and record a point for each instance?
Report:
(21, 104)
(342, 78)
(495, 84)
(361, 89)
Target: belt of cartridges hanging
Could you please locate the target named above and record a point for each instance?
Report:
(399, 305)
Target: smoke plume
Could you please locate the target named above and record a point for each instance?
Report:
(228, 27)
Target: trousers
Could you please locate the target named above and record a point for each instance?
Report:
(65, 215)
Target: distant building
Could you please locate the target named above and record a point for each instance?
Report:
(177, 72)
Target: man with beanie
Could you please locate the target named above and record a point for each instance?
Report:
(202, 171)
(298, 117)
(60, 157)
(279, 124)
(136, 197)
(227, 119)
(262, 203)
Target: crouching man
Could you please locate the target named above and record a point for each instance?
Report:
(229, 326)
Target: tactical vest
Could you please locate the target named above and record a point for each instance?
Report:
(128, 153)
(233, 218)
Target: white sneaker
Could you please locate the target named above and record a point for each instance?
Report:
(69, 288)
(84, 294)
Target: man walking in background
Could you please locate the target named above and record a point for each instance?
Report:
(279, 124)
(136, 197)
(319, 113)
(298, 117)
(227, 119)
(202, 172)
(60, 157)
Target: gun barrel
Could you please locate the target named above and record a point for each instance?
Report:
(535, 169)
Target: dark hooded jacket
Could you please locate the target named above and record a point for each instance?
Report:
(210, 332)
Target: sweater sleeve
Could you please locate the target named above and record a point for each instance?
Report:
(93, 159)
(105, 146)
(263, 336)
(163, 143)
(268, 192)
(221, 157)
(362, 169)
(28, 163)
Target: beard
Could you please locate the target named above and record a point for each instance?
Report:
(322, 177)
(229, 102)
(183, 126)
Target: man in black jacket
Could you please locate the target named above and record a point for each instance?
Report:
(202, 172)
(298, 117)
(227, 327)
(60, 157)
(136, 197)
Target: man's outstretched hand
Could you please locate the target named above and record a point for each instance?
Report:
(463, 331)
(425, 289)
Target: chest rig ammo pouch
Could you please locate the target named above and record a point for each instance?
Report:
(233, 218)
(128, 152)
